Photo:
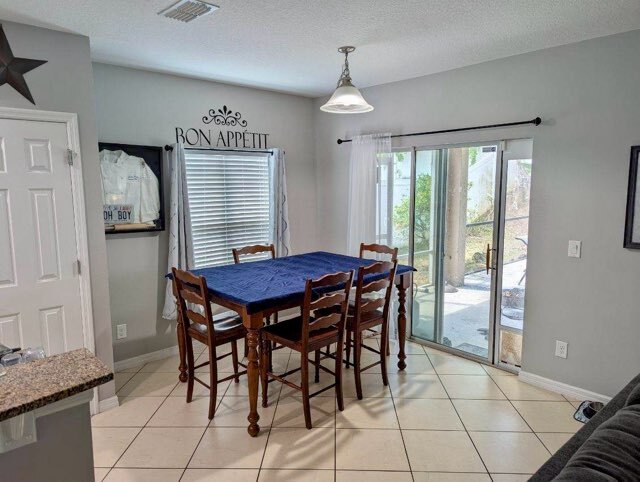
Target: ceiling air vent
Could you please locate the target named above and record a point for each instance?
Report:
(187, 10)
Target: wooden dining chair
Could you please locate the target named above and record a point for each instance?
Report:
(253, 250)
(367, 313)
(193, 301)
(308, 333)
(380, 250)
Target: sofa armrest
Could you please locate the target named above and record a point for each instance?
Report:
(556, 463)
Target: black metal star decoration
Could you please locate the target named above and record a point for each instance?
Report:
(12, 69)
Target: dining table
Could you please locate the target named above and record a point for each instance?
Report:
(255, 290)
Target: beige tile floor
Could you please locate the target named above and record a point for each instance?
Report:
(444, 419)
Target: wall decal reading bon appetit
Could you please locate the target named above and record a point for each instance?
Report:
(243, 139)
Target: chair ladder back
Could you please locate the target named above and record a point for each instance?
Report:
(196, 317)
(364, 304)
(374, 304)
(374, 286)
(192, 297)
(325, 293)
(327, 300)
(193, 290)
(379, 249)
(326, 321)
(253, 249)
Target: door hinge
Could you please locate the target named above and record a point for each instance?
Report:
(70, 156)
(79, 267)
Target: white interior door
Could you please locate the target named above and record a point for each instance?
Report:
(40, 302)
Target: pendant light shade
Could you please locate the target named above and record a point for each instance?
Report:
(346, 99)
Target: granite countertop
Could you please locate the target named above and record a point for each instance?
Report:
(38, 383)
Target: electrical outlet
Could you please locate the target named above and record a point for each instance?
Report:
(561, 348)
(121, 331)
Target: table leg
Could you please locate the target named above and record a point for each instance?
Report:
(253, 374)
(253, 370)
(402, 285)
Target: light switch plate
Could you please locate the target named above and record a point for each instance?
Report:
(575, 249)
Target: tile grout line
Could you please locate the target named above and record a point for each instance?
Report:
(461, 421)
(522, 416)
(528, 425)
(184, 471)
(153, 414)
(266, 444)
(139, 432)
(517, 411)
(395, 411)
(118, 459)
(525, 421)
(279, 395)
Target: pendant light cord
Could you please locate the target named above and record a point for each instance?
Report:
(346, 74)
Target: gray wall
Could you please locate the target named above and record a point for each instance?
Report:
(62, 453)
(589, 97)
(65, 83)
(139, 107)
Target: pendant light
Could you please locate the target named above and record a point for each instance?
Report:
(346, 99)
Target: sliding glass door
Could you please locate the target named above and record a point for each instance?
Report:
(449, 210)
(454, 230)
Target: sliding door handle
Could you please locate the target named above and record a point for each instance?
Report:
(488, 261)
(487, 258)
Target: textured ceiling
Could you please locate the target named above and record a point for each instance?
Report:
(290, 45)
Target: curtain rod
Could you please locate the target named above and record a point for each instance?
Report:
(170, 148)
(535, 122)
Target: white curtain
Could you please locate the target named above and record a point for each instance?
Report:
(180, 255)
(367, 153)
(280, 212)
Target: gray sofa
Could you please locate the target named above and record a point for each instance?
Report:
(607, 448)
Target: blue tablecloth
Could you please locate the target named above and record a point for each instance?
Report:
(260, 285)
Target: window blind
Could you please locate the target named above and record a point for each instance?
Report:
(229, 202)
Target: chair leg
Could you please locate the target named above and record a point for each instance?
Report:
(246, 347)
(388, 351)
(274, 344)
(213, 382)
(265, 355)
(356, 362)
(317, 377)
(304, 364)
(384, 348)
(234, 359)
(338, 370)
(190, 369)
(348, 348)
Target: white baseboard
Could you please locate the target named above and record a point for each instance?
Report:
(562, 388)
(136, 361)
(108, 404)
